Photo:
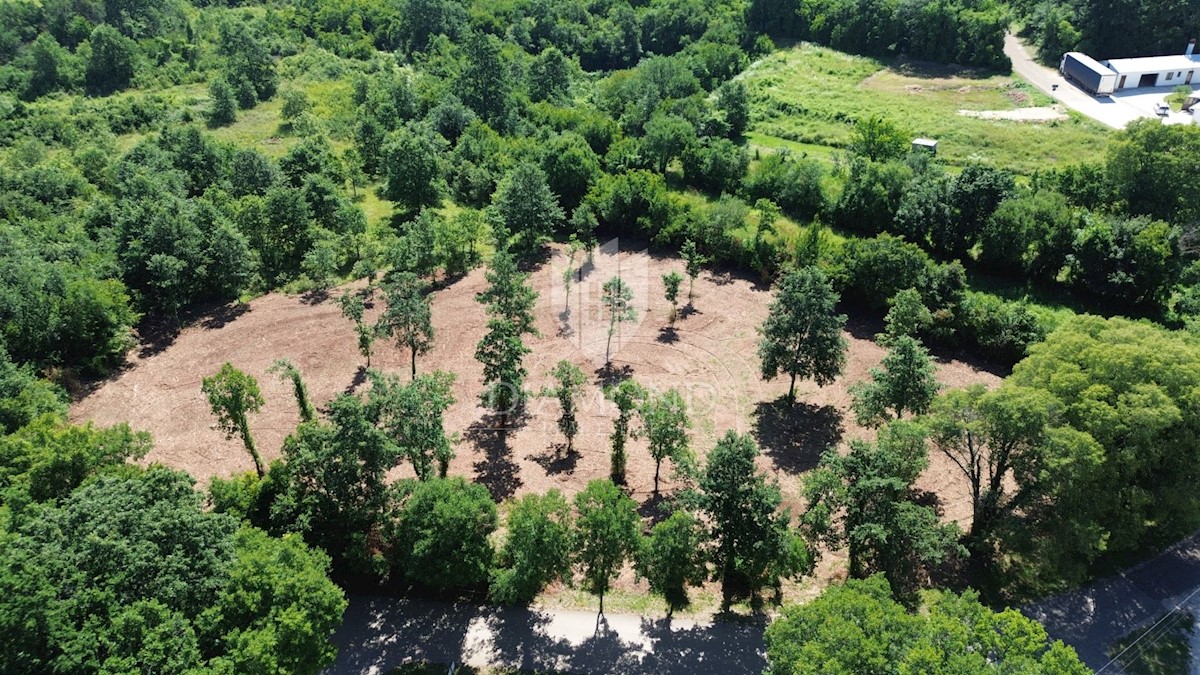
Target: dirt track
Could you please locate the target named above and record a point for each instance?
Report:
(710, 357)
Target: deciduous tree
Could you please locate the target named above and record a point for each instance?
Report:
(409, 315)
(627, 396)
(674, 557)
(665, 424)
(802, 336)
(232, 395)
(904, 383)
(569, 380)
(606, 534)
(537, 548)
(617, 297)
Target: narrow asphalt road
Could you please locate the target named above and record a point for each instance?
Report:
(381, 633)
(1107, 110)
(1090, 619)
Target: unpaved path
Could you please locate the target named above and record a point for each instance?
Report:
(381, 633)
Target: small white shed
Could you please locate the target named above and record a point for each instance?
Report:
(926, 144)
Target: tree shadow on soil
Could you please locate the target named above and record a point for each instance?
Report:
(609, 375)
(688, 310)
(656, 509)
(315, 297)
(496, 470)
(556, 459)
(794, 436)
(668, 335)
(158, 332)
(360, 376)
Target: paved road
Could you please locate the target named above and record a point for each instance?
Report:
(1092, 618)
(381, 633)
(1107, 110)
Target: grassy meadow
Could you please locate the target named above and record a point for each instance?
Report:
(806, 98)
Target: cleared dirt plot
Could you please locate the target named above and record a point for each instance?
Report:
(710, 357)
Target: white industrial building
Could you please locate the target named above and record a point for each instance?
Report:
(1157, 71)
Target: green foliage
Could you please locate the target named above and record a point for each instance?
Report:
(1128, 265)
(248, 65)
(1030, 236)
(694, 261)
(526, 207)
(330, 487)
(110, 64)
(793, 184)
(872, 196)
(671, 281)
(439, 533)
(904, 382)
(857, 628)
(411, 158)
(409, 315)
(607, 534)
(673, 557)
(537, 548)
(510, 301)
(46, 458)
(802, 335)
(288, 372)
(222, 109)
(412, 416)
(666, 138)
(569, 380)
(1127, 386)
(864, 502)
(628, 397)
(24, 397)
(665, 424)
(176, 589)
(232, 395)
(617, 297)
(751, 538)
(907, 317)
(353, 308)
(879, 139)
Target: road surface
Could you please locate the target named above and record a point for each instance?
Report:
(1090, 619)
(380, 633)
(1109, 111)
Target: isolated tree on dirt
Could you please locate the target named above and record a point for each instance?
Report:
(904, 383)
(537, 548)
(232, 395)
(857, 627)
(694, 262)
(752, 538)
(673, 557)
(222, 109)
(627, 396)
(671, 281)
(617, 297)
(510, 301)
(409, 316)
(606, 528)
(353, 307)
(527, 208)
(288, 372)
(802, 336)
(569, 381)
(412, 414)
(501, 351)
(574, 248)
(863, 502)
(509, 296)
(665, 425)
(440, 532)
(907, 317)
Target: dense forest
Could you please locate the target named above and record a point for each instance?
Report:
(420, 139)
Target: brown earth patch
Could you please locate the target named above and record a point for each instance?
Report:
(710, 357)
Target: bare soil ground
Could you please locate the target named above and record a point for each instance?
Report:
(710, 356)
